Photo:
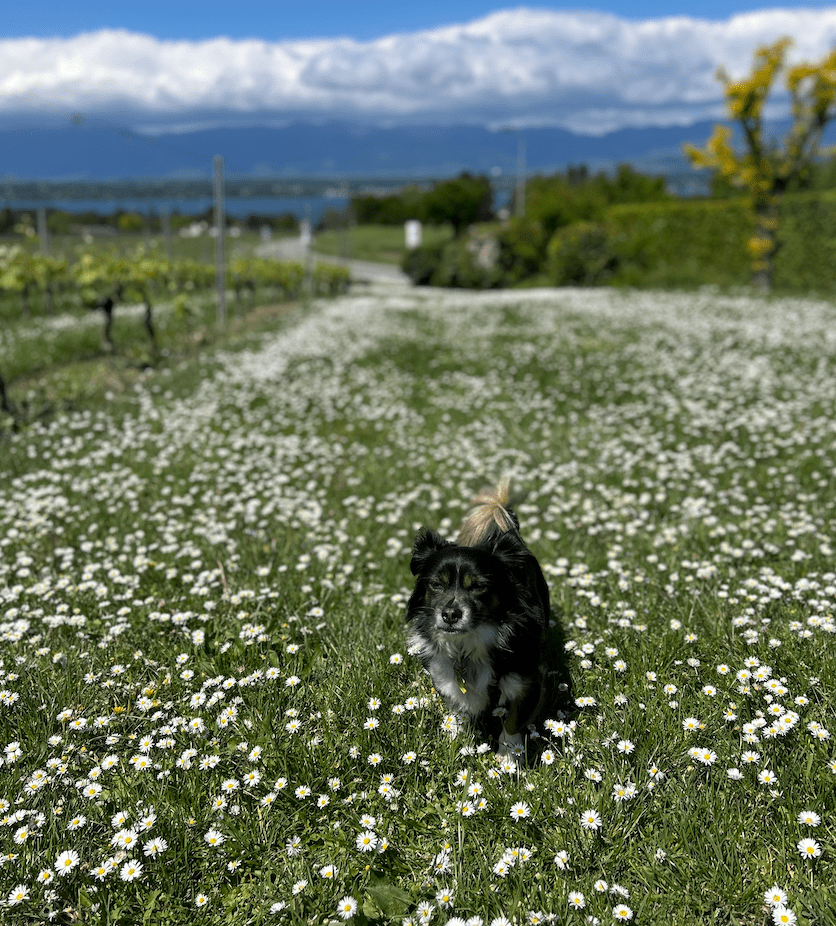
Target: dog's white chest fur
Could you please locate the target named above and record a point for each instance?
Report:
(464, 684)
(461, 670)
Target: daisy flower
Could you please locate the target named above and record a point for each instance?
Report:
(591, 820)
(520, 811)
(214, 838)
(783, 916)
(154, 847)
(366, 841)
(17, 895)
(809, 848)
(66, 862)
(809, 818)
(131, 870)
(346, 908)
(622, 913)
(775, 896)
(101, 871)
(444, 897)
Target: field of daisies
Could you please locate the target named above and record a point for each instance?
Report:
(208, 712)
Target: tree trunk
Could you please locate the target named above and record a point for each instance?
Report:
(4, 399)
(763, 246)
(148, 321)
(106, 305)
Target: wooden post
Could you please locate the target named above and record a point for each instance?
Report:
(220, 225)
(43, 237)
(166, 223)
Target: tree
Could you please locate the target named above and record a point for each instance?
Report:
(765, 168)
(461, 202)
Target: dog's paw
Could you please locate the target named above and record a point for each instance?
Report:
(510, 744)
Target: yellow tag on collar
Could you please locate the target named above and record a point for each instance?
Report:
(460, 681)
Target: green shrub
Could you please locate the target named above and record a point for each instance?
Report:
(576, 196)
(419, 264)
(682, 242)
(460, 267)
(522, 250)
(806, 258)
(581, 255)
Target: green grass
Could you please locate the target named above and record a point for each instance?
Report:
(214, 562)
(381, 243)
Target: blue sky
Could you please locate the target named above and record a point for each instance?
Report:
(280, 20)
(178, 66)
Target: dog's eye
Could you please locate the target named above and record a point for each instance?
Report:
(434, 585)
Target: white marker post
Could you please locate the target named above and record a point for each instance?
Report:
(413, 234)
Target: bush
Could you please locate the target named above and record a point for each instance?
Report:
(806, 258)
(582, 254)
(420, 263)
(460, 267)
(522, 250)
(129, 222)
(455, 263)
(682, 242)
(576, 196)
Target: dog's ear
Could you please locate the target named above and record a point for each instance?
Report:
(509, 548)
(426, 543)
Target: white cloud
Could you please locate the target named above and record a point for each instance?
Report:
(589, 72)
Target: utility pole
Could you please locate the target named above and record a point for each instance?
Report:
(43, 234)
(520, 192)
(520, 174)
(220, 225)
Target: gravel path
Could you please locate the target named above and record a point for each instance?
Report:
(362, 271)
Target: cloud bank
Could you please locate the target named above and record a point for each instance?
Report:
(588, 72)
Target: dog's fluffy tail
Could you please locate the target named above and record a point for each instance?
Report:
(491, 514)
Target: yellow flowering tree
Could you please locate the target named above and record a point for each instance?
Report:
(766, 168)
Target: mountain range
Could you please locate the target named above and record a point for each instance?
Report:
(88, 151)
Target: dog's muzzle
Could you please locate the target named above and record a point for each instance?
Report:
(451, 618)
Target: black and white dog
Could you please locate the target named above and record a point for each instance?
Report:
(478, 620)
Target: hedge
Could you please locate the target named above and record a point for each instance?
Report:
(689, 242)
(807, 235)
(684, 242)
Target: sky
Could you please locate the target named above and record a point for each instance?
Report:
(184, 65)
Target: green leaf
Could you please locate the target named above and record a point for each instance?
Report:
(388, 897)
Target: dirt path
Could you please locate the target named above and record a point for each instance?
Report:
(362, 271)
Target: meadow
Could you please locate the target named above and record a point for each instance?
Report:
(208, 713)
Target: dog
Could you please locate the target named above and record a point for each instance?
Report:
(478, 619)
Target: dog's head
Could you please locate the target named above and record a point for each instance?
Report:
(460, 588)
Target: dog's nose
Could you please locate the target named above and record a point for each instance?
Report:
(451, 613)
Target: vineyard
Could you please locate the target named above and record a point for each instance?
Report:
(58, 309)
